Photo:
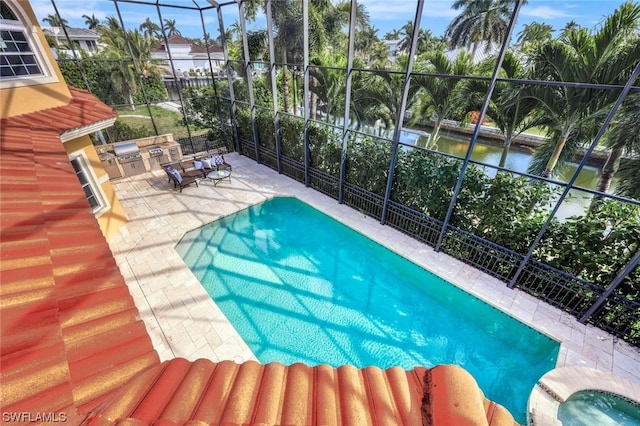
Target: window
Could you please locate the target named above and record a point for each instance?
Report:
(91, 45)
(86, 183)
(17, 57)
(21, 62)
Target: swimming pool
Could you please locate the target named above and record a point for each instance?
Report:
(299, 286)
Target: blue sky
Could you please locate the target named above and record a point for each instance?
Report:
(385, 15)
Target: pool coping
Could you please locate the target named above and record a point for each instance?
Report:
(183, 321)
(559, 384)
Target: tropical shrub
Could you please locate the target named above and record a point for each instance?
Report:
(122, 132)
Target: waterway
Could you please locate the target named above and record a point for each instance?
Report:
(518, 160)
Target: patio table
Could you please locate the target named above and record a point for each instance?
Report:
(219, 175)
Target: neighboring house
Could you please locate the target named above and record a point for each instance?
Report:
(482, 52)
(81, 38)
(392, 46)
(188, 58)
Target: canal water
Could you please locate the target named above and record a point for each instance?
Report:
(518, 160)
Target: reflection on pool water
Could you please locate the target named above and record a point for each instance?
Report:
(587, 408)
(299, 286)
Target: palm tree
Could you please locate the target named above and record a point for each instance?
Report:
(141, 47)
(55, 21)
(170, 27)
(379, 55)
(91, 21)
(438, 99)
(381, 96)
(605, 56)
(123, 76)
(149, 28)
(327, 70)
(569, 27)
(112, 23)
(365, 41)
(480, 21)
(405, 41)
(534, 34)
(623, 137)
(426, 41)
(393, 35)
(510, 107)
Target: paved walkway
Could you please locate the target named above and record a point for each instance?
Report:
(183, 321)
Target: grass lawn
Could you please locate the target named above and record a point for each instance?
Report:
(166, 121)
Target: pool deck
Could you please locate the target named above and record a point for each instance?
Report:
(183, 321)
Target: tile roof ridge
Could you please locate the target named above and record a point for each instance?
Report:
(251, 393)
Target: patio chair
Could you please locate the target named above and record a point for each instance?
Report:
(189, 169)
(178, 178)
(216, 160)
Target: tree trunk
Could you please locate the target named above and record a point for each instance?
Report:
(608, 172)
(313, 107)
(285, 89)
(285, 83)
(551, 164)
(505, 151)
(435, 133)
(133, 106)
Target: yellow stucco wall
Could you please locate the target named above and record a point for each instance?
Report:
(18, 96)
(113, 216)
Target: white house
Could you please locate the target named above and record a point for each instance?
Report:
(189, 59)
(82, 38)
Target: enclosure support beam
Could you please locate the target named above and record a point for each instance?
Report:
(139, 75)
(585, 158)
(635, 261)
(175, 77)
(476, 131)
(347, 100)
(213, 79)
(274, 80)
(249, 74)
(305, 95)
(232, 96)
(406, 85)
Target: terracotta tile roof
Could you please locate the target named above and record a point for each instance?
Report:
(70, 329)
(71, 340)
(179, 40)
(83, 110)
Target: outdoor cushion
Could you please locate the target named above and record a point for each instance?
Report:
(175, 173)
(198, 165)
(207, 163)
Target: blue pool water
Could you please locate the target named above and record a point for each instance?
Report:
(301, 287)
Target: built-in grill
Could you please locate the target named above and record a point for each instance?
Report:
(155, 151)
(129, 158)
(127, 152)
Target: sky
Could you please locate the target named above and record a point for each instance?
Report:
(385, 15)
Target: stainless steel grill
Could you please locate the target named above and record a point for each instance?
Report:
(127, 152)
(154, 151)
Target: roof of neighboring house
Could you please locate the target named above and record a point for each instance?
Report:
(72, 341)
(179, 40)
(74, 33)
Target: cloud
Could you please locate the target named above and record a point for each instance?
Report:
(546, 12)
(385, 10)
(71, 10)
